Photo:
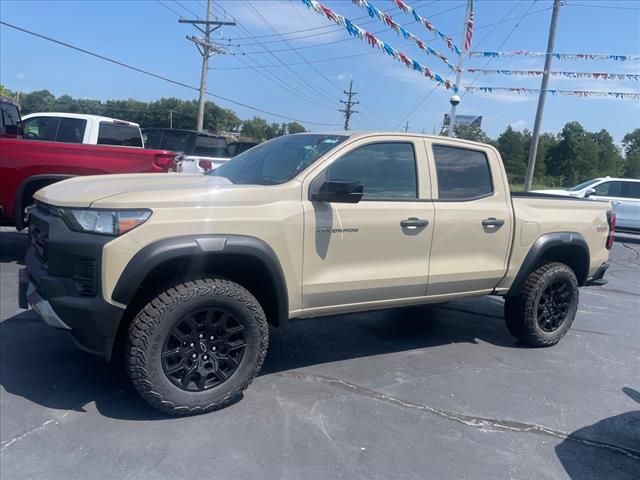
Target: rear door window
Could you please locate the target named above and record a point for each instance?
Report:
(463, 174)
(631, 190)
(119, 134)
(211, 147)
(41, 128)
(71, 130)
(608, 189)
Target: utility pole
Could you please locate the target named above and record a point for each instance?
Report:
(349, 103)
(535, 137)
(171, 118)
(452, 115)
(206, 49)
(406, 126)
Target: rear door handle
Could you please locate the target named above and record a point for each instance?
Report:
(616, 203)
(492, 224)
(414, 222)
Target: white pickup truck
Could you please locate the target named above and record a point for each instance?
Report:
(81, 128)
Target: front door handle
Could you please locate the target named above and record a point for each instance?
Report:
(492, 224)
(413, 223)
(616, 203)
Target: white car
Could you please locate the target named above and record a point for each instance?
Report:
(623, 193)
(81, 128)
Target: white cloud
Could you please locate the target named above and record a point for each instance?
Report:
(519, 125)
(20, 76)
(344, 76)
(504, 97)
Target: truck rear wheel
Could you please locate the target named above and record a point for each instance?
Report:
(543, 313)
(196, 346)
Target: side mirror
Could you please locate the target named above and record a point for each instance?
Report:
(338, 191)
(589, 192)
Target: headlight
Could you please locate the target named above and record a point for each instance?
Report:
(104, 222)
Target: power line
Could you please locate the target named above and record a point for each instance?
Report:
(431, 92)
(608, 7)
(278, 82)
(333, 42)
(319, 72)
(291, 89)
(169, 8)
(526, 13)
(160, 77)
(188, 9)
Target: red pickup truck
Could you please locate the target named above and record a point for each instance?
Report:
(26, 166)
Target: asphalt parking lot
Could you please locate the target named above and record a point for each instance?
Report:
(433, 392)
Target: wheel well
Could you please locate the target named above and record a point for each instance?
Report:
(24, 195)
(242, 269)
(574, 257)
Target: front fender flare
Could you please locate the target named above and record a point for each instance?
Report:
(189, 246)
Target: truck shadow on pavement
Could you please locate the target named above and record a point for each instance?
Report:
(623, 430)
(43, 365)
(13, 246)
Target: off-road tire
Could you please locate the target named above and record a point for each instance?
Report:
(521, 311)
(151, 326)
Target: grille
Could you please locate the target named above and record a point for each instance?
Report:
(84, 277)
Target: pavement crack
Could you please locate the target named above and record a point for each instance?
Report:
(482, 423)
(23, 435)
(8, 443)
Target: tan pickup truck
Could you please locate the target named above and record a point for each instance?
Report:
(183, 274)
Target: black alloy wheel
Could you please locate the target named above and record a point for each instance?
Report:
(554, 305)
(203, 349)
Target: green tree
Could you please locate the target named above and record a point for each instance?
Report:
(255, 128)
(469, 132)
(39, 101)
(631, 145)
(295, 127)
(610, 162)
(575, 157)
(546, 142)
(512, 150)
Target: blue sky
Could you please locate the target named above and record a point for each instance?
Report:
(146, 33)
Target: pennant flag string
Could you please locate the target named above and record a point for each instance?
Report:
(538, 73)
(355, 31)
(554, 92)
(400, 30)
(409, 10)
(558, 56)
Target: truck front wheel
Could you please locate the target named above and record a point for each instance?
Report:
(544, 311)
(196, 346)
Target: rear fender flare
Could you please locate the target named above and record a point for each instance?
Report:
(542, 246)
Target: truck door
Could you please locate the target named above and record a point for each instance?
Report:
(376, 249)
(473, 219)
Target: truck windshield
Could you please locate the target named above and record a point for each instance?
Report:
(278, 160)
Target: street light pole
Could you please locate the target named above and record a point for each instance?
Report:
(452, 115)
(535, 137)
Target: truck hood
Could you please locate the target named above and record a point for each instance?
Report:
(149, 190)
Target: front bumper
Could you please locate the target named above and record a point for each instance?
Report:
(61, 283)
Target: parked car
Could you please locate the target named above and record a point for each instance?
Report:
(186, 272)
(202, 151)
(623, 193)
(28, 165)
(81, 128)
